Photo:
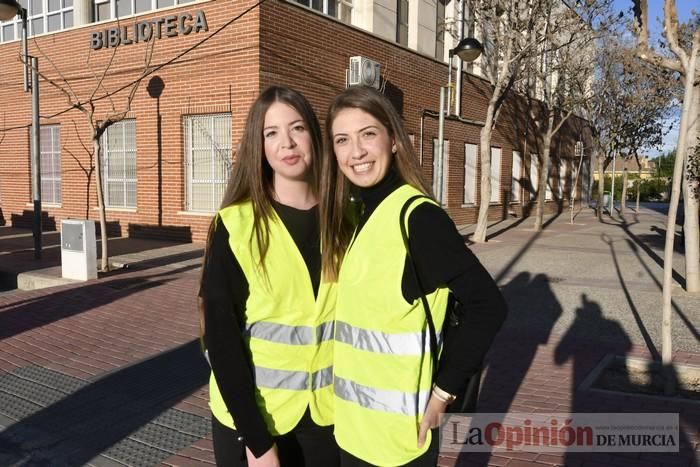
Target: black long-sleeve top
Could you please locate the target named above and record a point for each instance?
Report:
(442, 259)
(224, 291)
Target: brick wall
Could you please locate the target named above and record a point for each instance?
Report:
(278, 43)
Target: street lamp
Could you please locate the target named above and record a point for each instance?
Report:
(467, 50)
(8, 10)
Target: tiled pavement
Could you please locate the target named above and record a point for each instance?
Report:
(108, 373)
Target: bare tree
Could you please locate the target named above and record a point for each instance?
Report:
(99, 120)
(684, 60)
(507, 29)
(561, 77)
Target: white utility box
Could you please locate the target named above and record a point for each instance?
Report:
(78, 250)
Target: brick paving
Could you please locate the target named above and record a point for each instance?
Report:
(103, 372)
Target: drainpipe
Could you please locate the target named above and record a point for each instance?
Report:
(458, 83)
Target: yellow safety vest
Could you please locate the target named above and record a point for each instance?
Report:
(382, 365)
(289, 333)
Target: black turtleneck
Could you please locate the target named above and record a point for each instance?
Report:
(442, 259)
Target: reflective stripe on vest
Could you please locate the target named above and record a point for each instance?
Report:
(383, 400)
(291, 335)
(407, 343)
(293, 380)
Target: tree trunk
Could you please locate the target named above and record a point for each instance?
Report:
(666, 337)
(623, 197)
(485, 159)
(601, 185)
(690, 203)
(97, 148)
(544, 174)
(639, 184)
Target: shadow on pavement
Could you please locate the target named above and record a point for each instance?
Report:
(533, 305)
(575, 346)
(90, 420)
(75, 300)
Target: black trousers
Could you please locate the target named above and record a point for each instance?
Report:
(428, 459)
(307, 445)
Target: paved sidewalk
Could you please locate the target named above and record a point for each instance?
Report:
(108, 372)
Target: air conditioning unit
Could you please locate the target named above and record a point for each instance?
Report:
(364, 72)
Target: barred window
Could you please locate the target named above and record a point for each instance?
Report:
(51, 164)
(119, 164)
(207, 160)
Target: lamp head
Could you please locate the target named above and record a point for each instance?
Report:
(468, 49)
(9, 9)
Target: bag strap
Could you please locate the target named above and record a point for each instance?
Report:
(426, 306)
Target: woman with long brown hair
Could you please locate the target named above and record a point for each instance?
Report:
(388, 392)
(267, 315)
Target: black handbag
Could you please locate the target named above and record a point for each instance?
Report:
(467, 399)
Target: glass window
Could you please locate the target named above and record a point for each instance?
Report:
(54, 5)
(470, 172)
(495, 175)
(142, 5)
(36, 7)
(51, 164)
(53, 22)
(207, 160)
(534, 174)
(119, 164)
(517, 175)
(440, 30)
(102, 11)
(37, 26)
(68, 19)
(8, 32)
(402, 22)
(123, 8)
(164, 3)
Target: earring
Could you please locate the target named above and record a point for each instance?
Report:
(393, 149)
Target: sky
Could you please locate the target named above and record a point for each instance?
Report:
(656, 11)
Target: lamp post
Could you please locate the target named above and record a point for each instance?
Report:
(8, 10)
(467, 50)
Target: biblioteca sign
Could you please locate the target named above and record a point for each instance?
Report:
(145, 30)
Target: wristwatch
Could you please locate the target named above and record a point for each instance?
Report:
(442, 395)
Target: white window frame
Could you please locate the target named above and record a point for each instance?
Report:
(221, 153)
(128, 149)
(63, 12)
(495, 196)
(471, 158)
(517, 175)
(51, 164)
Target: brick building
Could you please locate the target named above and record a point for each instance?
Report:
(167, 163)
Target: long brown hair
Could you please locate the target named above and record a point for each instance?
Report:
(251, 177)
(336, 224)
